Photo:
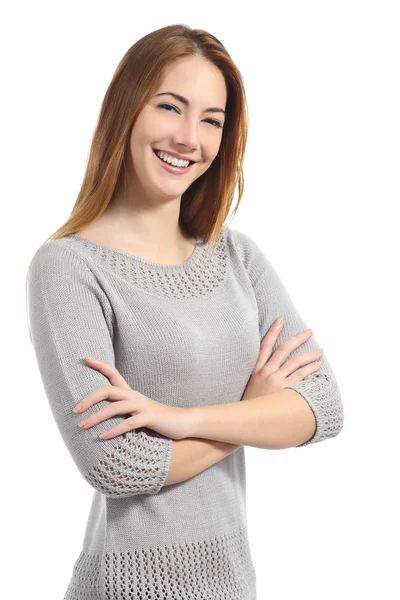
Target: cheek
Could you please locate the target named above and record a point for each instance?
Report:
(214, 145)
(149, 127)
(144, 134)
(212, 152)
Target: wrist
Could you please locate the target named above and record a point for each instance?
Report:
(193, 420)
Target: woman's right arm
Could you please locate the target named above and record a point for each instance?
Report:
(70, 317)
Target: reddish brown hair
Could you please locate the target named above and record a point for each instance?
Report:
(206, 203)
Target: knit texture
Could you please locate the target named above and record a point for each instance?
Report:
(185, 335)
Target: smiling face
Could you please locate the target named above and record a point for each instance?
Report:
(172, 125)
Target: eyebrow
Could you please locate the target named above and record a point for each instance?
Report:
(186, 102)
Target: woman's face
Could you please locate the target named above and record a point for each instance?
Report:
(169, 124)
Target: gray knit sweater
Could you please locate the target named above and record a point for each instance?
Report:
(186, 334)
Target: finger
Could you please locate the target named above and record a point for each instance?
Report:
(128, 425)
(109, 371)
(116, 408)
(104, 392)
(303, 372)
(273, 332)
(267, 344)
(283, 351)
(299, 361)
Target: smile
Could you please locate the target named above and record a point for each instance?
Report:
(172, 168)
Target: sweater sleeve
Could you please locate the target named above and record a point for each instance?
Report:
(70, 317)
(320, 389)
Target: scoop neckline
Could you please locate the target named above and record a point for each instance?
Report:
(127, 255)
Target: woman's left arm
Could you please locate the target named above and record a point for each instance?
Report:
(288, 411)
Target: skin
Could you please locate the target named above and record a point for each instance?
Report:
(144, 218)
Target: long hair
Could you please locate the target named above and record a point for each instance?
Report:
(206, 203)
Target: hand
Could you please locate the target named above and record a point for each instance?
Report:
(269, 374)
(173, 422)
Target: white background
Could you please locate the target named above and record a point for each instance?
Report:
(321, 196)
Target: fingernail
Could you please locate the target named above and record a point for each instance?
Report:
(279, 321)
(89, 358)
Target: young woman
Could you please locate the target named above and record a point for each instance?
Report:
(181, 313)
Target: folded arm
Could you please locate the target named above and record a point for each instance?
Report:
(274, 421)
(69, 318)
(307, 411)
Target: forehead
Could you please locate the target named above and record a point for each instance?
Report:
(195, 78)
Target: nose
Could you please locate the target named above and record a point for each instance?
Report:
(187, 134)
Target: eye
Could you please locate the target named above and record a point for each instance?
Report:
(168, 106)
(213, 122)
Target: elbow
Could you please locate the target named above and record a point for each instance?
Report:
(114, 484)
(325, 429)
(334, 421)
(326, 404)
(338, 420)
(120, 474)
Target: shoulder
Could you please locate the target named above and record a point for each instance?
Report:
(56, 259)
(243, 243)
(58, 274)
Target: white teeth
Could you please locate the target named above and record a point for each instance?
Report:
(176, 162)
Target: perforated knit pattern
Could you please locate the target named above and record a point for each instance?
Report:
(120, 473)
(323, 395)
(189, 281)
(84, 584)
(199, 570)
(185, 335)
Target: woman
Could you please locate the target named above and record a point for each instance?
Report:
(180, 312)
